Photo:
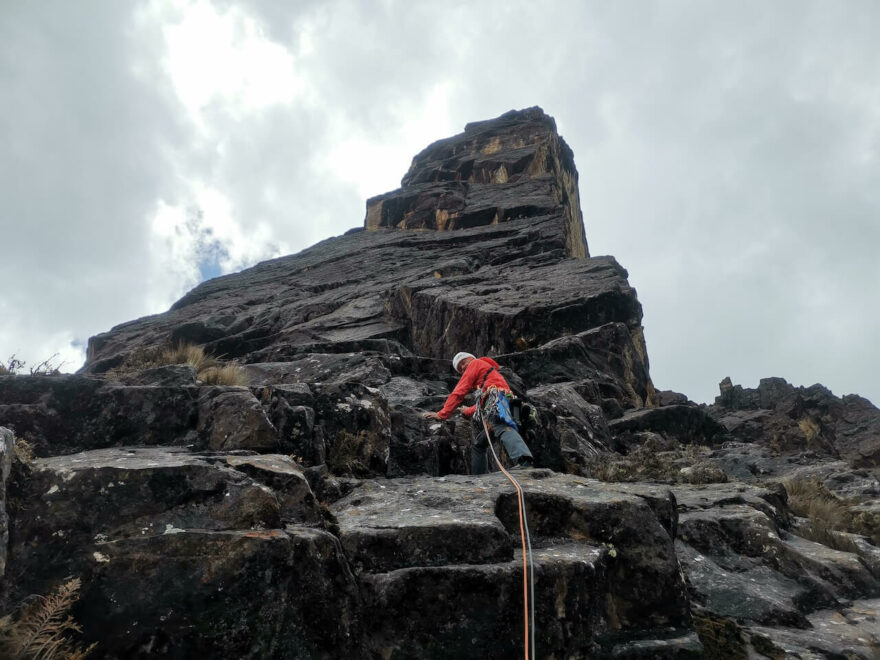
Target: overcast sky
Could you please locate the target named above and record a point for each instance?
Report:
(729, 157)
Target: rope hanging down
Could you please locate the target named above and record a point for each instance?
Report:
(528, 575)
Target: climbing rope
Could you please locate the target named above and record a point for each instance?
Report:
(528, 574)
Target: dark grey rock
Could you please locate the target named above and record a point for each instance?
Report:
(232, 418)
(791, 420)
(220, 594)
(165, 375)
(7, 448)
(323, 515)
(851, 632)
(686, 424)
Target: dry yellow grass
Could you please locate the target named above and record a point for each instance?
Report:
(826, 513)
(209, 369)
(188, 354)
(227, 374)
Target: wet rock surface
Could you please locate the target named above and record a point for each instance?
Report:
(314, 512)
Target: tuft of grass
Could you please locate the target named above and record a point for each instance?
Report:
(809, 428)
(818, 532)
(227, 374)
(826, 513)
(43, 629)
(209, 369)
(651, 462)
(183, 353)
(721, 637)
(866, 523)
(22, 451)
(810, 498)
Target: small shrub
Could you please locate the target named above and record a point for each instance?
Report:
(354, 454)
(43, 629)
(11, 367)
(23, 451)
(48, 367)
(227, 374)
(344, 458)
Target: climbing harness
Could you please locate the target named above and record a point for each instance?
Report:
(500, 400)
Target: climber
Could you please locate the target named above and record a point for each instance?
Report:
(493, 399)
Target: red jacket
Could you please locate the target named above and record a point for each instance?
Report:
(469, 381)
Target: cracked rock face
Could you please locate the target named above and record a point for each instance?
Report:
(314, 512)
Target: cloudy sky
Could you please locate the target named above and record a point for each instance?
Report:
(729, 156)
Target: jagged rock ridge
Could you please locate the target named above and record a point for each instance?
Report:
(316, 513)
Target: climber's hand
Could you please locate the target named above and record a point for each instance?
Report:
(432, 415)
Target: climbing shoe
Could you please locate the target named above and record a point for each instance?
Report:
(524, 463)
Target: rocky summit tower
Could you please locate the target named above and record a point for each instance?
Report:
(287, 498)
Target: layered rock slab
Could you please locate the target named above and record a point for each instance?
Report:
(183, 554)
(505, 270)
(743, 564)
(511, 167)
(447, 550)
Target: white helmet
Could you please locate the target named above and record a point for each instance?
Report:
(459, 357)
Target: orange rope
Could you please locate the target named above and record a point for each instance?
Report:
(522, 534)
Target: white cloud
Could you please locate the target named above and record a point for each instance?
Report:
(222, 58)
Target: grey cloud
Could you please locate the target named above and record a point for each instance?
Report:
(82, 164)
(728, 155)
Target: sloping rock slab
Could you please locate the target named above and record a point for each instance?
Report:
(321, 368)
(397, 516)
(755, 594)
(74, 503)
(421, 522)
(66, 414)
(613, 354)
(851, 633)
(726, 548)
(687, 424)
(243, 594)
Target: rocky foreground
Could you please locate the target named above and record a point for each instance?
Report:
(312, 511)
